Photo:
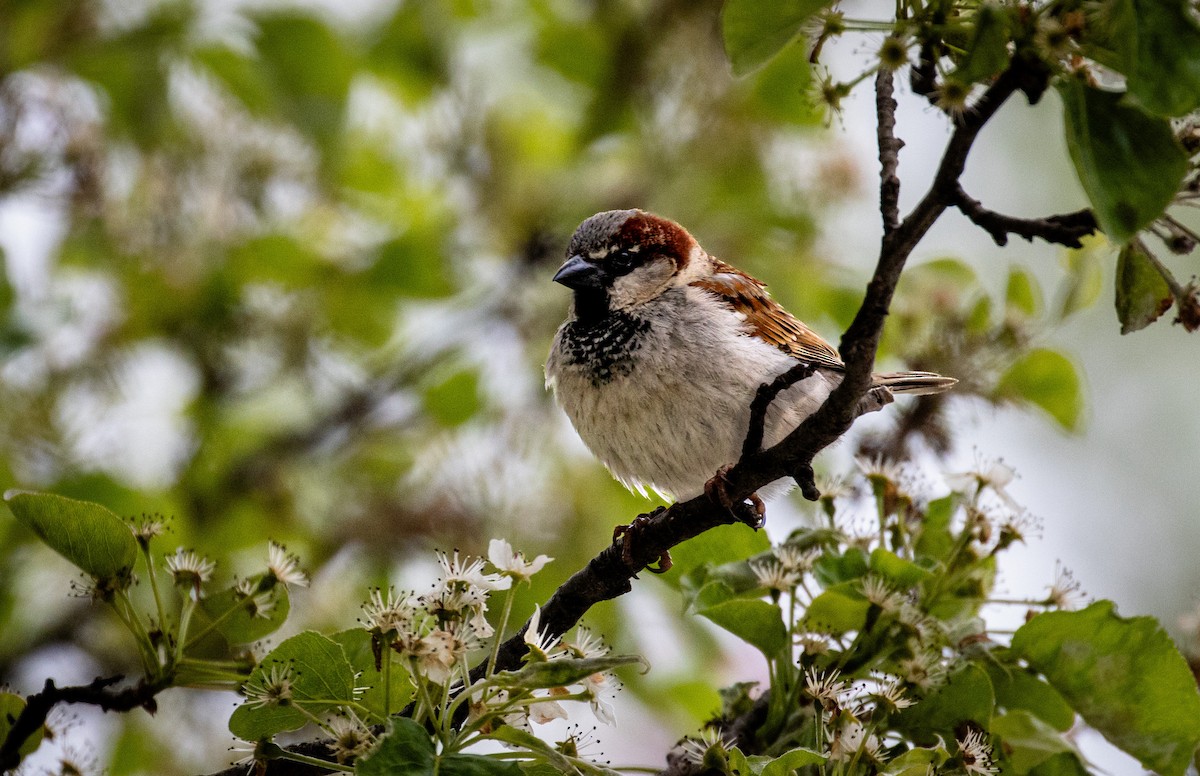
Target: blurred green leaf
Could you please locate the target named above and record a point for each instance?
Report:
(11, 706)
(240, 620)
(757, 30)
(1028, 741)
(356, 643)
(987, 53)
(1128, 161)
(241, 75)
(1046, 378)
(723, 544)
(1062, 765)
(756, 622)
(830, 568)
(1142, 293)
(89, 535)
(309, 67)
(1018, 689)
(406, 748)
(896, 570)
(1165, 78)
(1084, 281)
(916, 762)
(321, 679)
(1022, 295)
(935, 540)
(840, 608)
(1124, 676)
(966, 696)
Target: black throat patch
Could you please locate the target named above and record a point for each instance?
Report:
(604, 346)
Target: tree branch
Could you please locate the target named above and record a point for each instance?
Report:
(98, 693)
(889, 150)
(1062, 229)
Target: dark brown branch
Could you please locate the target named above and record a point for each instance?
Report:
(762, 401)
(889, 150)
(98, 693)
(1063, 229)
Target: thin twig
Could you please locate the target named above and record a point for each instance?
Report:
(1063, 229)
(98, 693)
(762, 401)
(889, 150)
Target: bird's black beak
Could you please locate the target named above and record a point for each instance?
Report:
(579, 273)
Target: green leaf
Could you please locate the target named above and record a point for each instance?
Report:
(987, 53)
(1084, 281)
(1018, 689)
(935, 540)
(1062, 765)
(562, 671)
(87, 534)
(901, 573)
(321, 679)
(1022, 295)
(1124, 676)
(1047, 379)
(718, 546)
(1166, 74)
(833, 569)
(236, 617)
(1028, 741)
(1142, 293)
(757, 30)
(1129, 162)
(916, 762)
(356, 643)
(838, 609)
(966, 696)
(754, 621)
(783, 765)
(11, 706)
(239, 74)
(790, 761)
(406, 748)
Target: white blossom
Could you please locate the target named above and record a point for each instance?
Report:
(513, 564)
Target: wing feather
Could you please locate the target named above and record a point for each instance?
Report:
(766, 318)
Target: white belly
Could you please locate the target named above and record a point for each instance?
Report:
(682, 411)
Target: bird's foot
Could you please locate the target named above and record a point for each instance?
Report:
(749, 510)
(627, 536)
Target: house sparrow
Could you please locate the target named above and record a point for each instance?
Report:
(665, 348)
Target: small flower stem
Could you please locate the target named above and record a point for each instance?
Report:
(499, 634)
(185, 619)
(158, 602)
(124, 608)
(387, 684)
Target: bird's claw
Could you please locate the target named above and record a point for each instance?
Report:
(627, 535)
(749, 510)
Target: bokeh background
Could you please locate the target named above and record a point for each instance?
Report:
(281, 270)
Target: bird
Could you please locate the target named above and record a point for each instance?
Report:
(665, 347)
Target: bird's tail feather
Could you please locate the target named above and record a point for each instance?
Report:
(915, 383)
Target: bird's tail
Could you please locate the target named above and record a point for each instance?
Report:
(915, 383)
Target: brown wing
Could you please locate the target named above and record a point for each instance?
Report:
(766, 318)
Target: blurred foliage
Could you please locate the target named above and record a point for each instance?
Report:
(281, 271)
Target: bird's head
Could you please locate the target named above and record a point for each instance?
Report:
(620, 259)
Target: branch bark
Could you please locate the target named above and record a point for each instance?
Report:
(1062, 229)
(99, 693)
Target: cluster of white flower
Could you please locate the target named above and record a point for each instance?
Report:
(849, 713)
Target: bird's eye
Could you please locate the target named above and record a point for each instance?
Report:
(621, 262)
